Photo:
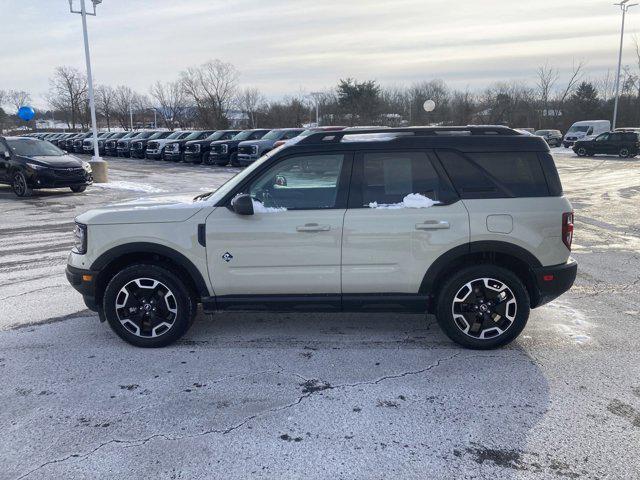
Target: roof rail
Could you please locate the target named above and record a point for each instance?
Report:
(388, 134)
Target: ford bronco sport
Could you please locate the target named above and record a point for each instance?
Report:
(467, 223)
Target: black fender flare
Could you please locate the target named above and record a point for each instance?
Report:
(153, 248)
(488, 246)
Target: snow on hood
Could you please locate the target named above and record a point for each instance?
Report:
(413, 200)
(156, 209)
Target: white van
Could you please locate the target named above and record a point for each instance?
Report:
(585, 128)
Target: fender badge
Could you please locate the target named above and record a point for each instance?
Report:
(227, 257)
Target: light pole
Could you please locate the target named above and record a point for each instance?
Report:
(624, 6)
(98, 165)
(317, 96)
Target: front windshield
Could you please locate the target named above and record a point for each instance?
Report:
(174, 135)
(543, 132)
(243, 135)
(145, 135)
(579, 128)
(29, 147)
(216, 135)
(194, 136)
(273, 135)
(130, 134)
(157, 135)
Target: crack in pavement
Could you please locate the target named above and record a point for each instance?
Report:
(225, 431)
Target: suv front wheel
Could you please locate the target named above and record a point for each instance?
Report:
(148, 306)
(483, 307)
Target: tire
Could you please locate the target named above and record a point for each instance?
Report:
(20, 186)
(146, 287)
(491, 281)
(78, 189)
(624, 152)
(582, 152)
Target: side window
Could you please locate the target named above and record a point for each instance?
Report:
(256, 135)
(302, 182)
(290, 135)
(228, 136)
(615, 137)
(467, 178)
(388, 177)
(630, 137)
(602, 138)
(496, 174)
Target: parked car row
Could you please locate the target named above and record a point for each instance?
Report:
(210, 147)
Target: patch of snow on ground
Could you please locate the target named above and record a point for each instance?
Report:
(258, 207)
(413, 200)
(574, 323)
(135, 187)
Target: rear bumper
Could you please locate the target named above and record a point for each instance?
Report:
(553, 281)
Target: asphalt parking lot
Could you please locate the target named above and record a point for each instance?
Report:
(319, 396)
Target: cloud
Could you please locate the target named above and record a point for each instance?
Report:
(284, 46)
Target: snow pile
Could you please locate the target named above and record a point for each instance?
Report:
(413, 200)
(135, 187)
(258, 207)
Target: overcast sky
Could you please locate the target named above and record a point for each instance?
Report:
(289, 46)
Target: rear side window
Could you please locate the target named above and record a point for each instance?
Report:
(615, 137)
(388, 177)
(495, 174)
(630, 137)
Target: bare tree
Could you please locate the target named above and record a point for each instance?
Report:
(18, 98)
(68, 93)
(171, 103)
(546, 79)
(577, 72)
(249, 100)
(105, 99)
(212, 87)
(3, 97)
(123, 100)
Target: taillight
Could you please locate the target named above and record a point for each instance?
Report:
(567, 229)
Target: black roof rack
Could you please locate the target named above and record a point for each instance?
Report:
(388, 134)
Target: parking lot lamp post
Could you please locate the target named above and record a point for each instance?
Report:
(624, 6)
(98, 165)
(316, 96)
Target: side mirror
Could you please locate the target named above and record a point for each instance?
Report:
(7, 155)
(242, 204)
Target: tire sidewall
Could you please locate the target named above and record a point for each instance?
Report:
(184, 300)
(624, 153)
(27, 191)
(451, 287)
(582, 152)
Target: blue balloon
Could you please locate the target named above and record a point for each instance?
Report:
(26, 113)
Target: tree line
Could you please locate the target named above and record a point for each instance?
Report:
(211, 96)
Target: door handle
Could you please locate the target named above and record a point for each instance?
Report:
(313, 227)
(433, 225)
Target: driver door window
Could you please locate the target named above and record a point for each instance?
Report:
(603, 138)
(305, 182)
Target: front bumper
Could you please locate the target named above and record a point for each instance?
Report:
(50, 178)
(193, 157)
(84, 281)
(154, 154)
(553, 281)
(222, 158)
(172, 156)
(247, 159)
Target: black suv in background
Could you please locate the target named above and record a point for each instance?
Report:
(224, 152)
(174, 150)
(623, 144)
(197, 151)
(552, 137)
(111, 145)
(139, 145)
(103, 141)
(124, 144)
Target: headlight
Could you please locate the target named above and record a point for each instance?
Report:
(196, 147)
(86, 166)
(80, 238)
(33, 166)
(224, 148)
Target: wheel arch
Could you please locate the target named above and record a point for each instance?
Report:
(503, 254)
(119, 257)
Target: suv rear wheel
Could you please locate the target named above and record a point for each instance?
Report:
(148, 306)
(483, 307)
(624, 152)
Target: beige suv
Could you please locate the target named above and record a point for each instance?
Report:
(467, 223)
